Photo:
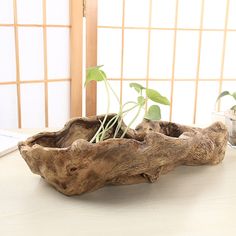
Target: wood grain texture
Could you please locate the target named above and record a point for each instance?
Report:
(91, 54)
(66, 160)
(76, 56)
(45, 62)
(16, 37)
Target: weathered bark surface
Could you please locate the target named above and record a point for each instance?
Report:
(66, 160)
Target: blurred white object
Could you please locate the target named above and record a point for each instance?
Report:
(9, 141)
(230, 121)
(227, 118)
(218, 116)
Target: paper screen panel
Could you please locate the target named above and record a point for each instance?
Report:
(6, 12)
(183, 44)
(183, 102)
(227, 102)
(206, 103)
(58, 48)
(211, 55)
(7, 55)
(186, 54)
(109, 51)
(230, 56)
(161, 54)
(34, 49)
(8, 105)
(102, 97)
(214, 14)
(189, 13)
(58, 103)
(232, 15)
(32, 105)
(135, 53)
(110, 12)
(58, 12)
(31, 53)
(136, 13)
(163, 13)
(30, 11)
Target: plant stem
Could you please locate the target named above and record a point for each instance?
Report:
(117, 116)
(105, 118)
(114, 120)
(117, 98)
(130, 102)
(125, 111)
(132, 121)
(122, 115)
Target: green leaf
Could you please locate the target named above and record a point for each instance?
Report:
(153, 113)
(224, 93)
(96, 74)
(137, 87)
(234, 95)
(141, 100)
(157, 97)
(233, 108)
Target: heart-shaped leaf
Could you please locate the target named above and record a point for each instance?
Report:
(224, 93)
(233, 108)
(153, 113)
(137, 87)
(141, 100)
(234, 95)
(157, 97)
(96, 74)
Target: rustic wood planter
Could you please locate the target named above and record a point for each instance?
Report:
(66, 160)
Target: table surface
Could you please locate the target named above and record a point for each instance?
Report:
(187, 201)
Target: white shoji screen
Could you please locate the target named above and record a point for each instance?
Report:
(185, 49)
(34, 63)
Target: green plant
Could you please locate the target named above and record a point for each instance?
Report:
(143, 95)
(227, 93)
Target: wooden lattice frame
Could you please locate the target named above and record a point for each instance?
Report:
(75, 26)
(77, 12)
(176, 29)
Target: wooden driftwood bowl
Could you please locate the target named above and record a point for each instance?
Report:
(66, 160)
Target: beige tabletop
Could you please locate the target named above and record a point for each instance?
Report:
(188, 201)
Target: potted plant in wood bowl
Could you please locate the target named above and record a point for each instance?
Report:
(230, 118)
(89, 153)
